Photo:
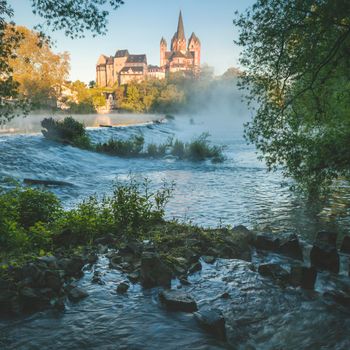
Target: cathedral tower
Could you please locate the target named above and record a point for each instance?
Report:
(178, 43)
(163, 49)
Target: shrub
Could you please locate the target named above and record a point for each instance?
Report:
(68, 131)
(178, 149)
(124, 148)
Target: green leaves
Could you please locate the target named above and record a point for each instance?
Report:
(297, 76)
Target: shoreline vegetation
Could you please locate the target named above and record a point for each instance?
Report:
(70, 131)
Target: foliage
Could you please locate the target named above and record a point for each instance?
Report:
(125, 148)
(72, 16)
(38, 71)
(32, 220)
(25, 215)
(297, 79)
(68, 131)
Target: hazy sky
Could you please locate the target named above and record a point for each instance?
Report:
(139, 25)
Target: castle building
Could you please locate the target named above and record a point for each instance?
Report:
(182, 56)
(120, 68)
(123, 67)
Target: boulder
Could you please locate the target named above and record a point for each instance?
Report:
(266, 242)
(324, 256)
(302, 276)
(53, 280)
(274, 271)
(75, 294)
(339, 297)
(326, 237)
(32, 300)
(345, 246)
(291, 247)
(134, 276)
(208, 259)
(97, 278)
(195, 267)
(153, 271)
(123, 287)
(176, 300)
(92, 258)
(72, 266)
(213, 322)
(49, 261)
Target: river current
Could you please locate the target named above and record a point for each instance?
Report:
(238, 191)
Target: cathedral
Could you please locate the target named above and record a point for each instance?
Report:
(124, 67)
(181, 57)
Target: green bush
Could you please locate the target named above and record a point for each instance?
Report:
(125, 148)
(68, 131)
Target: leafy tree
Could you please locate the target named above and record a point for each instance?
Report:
(38, 71)
(297, 81)
(74, 17)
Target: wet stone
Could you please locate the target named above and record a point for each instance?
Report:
(274, 271)
(208, 259)
(213, 322)
(302, 276)
(325, 257)
(176, 300)
(326, 237)
(195, 267)
(75, 294)
(345, 246)
(266, 242)
(123, 287)
(291, 247)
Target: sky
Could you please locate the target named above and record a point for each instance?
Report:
(138, 26)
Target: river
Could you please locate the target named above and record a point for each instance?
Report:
(238, 191)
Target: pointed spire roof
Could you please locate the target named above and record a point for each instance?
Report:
(163, 41)
(180, 28)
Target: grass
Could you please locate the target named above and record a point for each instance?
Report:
(72, 132)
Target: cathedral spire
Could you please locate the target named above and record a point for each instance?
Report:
(180, 28)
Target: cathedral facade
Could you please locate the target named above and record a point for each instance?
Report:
(124, 67)
(183, 56)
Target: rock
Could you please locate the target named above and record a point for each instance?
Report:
(134, 276)
(274, 271)
(195, 267)
(302, 276)
(339, 297)
(133, 248)
(96, 278)
(72, 266)
(326, 237)
(32, 300)
(49, 261)
(92, 258)
(31, 271)
(266, 242)
(105, 240)
(213, 322)
(153, 271)
(345, 246)
(184, 281)
(208, 259)
(53, 280)
(46, 182)
(115, 260)
(75, 294)
(325, 257)
(225, 295)
(176, 300)
(291, 247)
(123, 287)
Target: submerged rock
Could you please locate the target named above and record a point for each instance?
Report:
(339, 297)
(302, 276)
(274, 271)
(123, 287)
(291, 247)
(324, 256)
(153, 271)
(176, 300)
(195, 267)
(266, 242)
(326, 237)
(345, 246)
(213, 322)
(75, 294)
(208, 259)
